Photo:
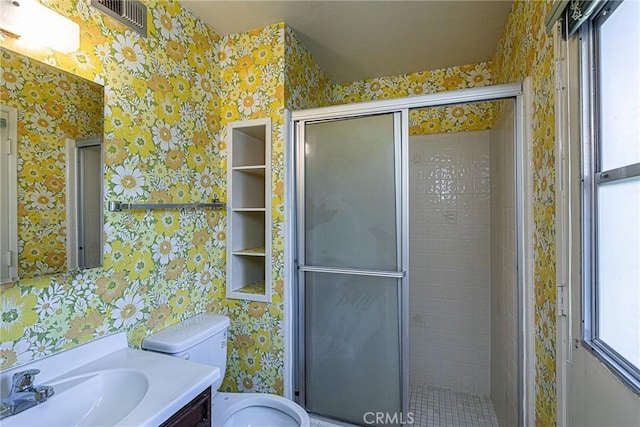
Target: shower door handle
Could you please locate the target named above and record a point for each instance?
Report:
(353, 271)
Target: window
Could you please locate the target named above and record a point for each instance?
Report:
(611, 190)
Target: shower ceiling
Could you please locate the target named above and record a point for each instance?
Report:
(356, 40)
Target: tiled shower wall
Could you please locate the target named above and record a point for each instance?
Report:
(504, 320)
(449, 211)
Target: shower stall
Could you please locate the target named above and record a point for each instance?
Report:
(462, 277)
(407, 296)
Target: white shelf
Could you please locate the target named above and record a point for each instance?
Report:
(249, 210)
(258, 170)
(258, 251)
(250, 142)
(248, 230)
(247, 190)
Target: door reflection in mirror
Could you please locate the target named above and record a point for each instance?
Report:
(84, 205)
(8, 190)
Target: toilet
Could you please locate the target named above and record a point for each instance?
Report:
(203, 339)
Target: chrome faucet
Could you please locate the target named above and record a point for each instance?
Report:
(23, 394)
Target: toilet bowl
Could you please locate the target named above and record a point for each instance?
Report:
(256, 409)
(203, 339)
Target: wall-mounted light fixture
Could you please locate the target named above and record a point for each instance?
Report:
(36, 25)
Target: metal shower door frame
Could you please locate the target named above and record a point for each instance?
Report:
(524, 238)
(400, 152)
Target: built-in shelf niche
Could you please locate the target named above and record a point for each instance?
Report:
(249, 210)
(248, 189)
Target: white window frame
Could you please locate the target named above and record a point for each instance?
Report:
(593, 176)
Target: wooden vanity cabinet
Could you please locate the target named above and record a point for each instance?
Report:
(196, 413)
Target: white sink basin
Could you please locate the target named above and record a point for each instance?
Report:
(103, 398)
(104, 383)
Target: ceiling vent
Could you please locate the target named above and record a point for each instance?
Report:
(131, 13)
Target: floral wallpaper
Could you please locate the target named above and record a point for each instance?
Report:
(453, 118)
(161, 117)
(306, 85)
(526, 50)
(165, 141)
(52, 105)
(263, 72)
(252, 80)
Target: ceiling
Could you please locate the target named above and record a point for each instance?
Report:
(356, 40)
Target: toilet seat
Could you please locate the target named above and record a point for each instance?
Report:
(256, 410)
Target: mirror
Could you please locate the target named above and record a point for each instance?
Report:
(56, 119)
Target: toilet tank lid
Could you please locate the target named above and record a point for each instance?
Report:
(186, 334)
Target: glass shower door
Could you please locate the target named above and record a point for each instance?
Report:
(350, 275)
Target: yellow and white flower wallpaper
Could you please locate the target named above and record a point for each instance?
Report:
(52, 105)
(263, 72)
(306, 85)
(526, 50)
(161, 120)
(168, 98)
(252, 83)
(453, 118)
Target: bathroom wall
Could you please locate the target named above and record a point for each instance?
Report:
(161, 116)
(455, 118)
(252, 82)
(264, 71)
(413, 84)
(526, 50)
(504, 313)
(306, 85)
(449, 266)
(52, 105)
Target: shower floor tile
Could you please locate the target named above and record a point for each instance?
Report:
(437, 407)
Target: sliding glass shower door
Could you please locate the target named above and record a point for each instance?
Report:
(350, 283)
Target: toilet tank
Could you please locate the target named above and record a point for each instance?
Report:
(201, 339)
